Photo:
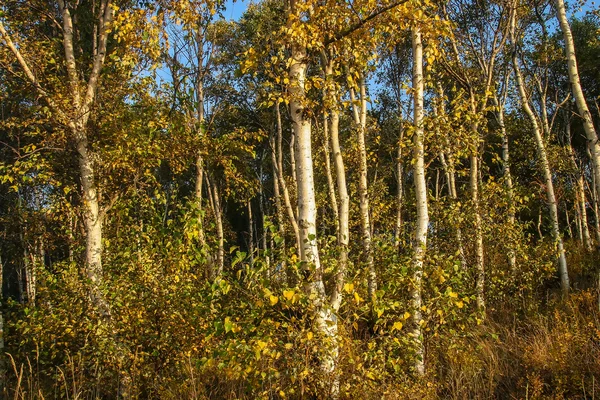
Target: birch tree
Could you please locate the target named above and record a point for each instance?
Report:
(422, 223)
(580, 100)
(74, 112)
(543, 159)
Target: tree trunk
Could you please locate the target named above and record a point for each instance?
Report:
(344, 205)
(278, 208)
(286, 195)
(450, 173)
(551, 199)
(325, 319)
(422, 223)
(199, 160)
(400, 189)
(261, 204)
(512, 260)
(595, 199)
(581, 202)
(251, 247)
(580, 198)
(363, 189)
(479, 251)
(568, 223)
(92, 223)
(330, 185)
(34, 260)
(578, 220)
(580, 100)
(215, 201)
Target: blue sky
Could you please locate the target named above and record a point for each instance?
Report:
(234, 9)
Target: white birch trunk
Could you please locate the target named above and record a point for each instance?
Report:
(278, 205)
(325, 319)
(582, 106)
(551, 199)
(422, 223)
(479, 250)
(580, 201)
(512, 260)
(399, 190)
(330, 184)
(344, 205)
(450, 173)
(363, 189)
(216, 269)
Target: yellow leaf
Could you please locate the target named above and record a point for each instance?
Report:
(261, 345)
(288, 294)
(357, 298)
(406, 315)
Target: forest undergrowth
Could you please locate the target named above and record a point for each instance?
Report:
(174, 336)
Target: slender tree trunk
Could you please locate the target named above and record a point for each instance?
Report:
(199, 159)
(286, 195)
(508, 182)
(279, 208)
(580, 198)
(215, 202)
(582, 106)
(578, 220)
(251, 247)
(340, 174)
(363, 190)
(581, 203)
(261, 198)
(330, 184)
(595, 199)
(34, 260)
(568, 224)
(551, 199)
(422, 223)
(400, 189)
(450, 173)
(479, 255)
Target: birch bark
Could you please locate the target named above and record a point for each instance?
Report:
(422, 223)
(543, 159)
(580, 100)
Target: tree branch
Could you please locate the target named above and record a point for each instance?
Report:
(100, 56)
(353, 28)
